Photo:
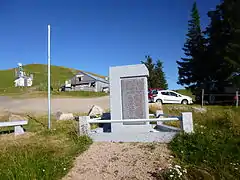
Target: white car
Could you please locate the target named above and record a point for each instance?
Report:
(167, 96)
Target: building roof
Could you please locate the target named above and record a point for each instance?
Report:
(95, 77)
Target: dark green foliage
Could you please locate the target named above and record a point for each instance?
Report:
(215, 57)
(156, 77)
(224, 38)
(189, 68)
(150, 65)
(160, 75)
(219, 36)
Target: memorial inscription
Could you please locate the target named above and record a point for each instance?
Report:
(133, 98)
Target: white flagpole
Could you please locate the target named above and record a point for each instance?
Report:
(49, 81)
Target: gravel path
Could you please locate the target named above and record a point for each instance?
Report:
(39, 105)
(120, 161)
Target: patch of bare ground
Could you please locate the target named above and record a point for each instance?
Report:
(120, 161)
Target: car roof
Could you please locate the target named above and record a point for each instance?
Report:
(168, 91)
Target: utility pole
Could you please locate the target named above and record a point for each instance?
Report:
(49, 80)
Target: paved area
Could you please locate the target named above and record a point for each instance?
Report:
(120, 161)
(40, 105)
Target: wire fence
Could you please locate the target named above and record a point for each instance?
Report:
(217, 98)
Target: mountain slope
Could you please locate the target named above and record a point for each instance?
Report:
(58, 76)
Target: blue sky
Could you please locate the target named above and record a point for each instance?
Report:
(93, 35)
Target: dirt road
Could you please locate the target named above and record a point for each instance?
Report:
(40, 105)
(120, 161)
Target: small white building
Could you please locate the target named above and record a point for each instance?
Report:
(23, 82)
(21, 79)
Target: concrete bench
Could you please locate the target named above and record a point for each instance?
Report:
(17, 126)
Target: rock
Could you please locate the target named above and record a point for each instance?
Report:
(64, 116)
(15, 117)
(95, 111)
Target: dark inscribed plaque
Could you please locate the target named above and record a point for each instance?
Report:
(133, 98)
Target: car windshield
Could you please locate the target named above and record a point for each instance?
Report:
(154, 92)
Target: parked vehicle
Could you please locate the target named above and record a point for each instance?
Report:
(171, 97)
(151, 92)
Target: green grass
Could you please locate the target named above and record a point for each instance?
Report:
(58, 76)
(41, 153)
(213, 151)
(79, 94)
(57, 94)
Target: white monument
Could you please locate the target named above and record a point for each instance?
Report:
(128, 120)
(128, 95)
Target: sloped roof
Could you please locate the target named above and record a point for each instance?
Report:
(96, 78)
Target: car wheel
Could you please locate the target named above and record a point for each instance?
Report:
(185, 102)
(159, 101)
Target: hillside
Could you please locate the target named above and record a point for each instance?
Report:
(58, 76)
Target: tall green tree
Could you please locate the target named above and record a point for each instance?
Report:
(156, 77)
(191, 68)
(231, 18)
(160, 75)
(150, 66)
(223, 35)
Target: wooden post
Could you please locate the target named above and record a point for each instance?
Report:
(202, 96)
(236, 98)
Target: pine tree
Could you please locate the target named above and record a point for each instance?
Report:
(150, 65)
(160, 76)
(223, 48)
(231, 15)
(156, 77)
(191, 69)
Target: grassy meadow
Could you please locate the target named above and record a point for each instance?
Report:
(40, 153)
(213, 151)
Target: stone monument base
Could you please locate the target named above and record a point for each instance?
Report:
(121, 128)
(162, 137)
